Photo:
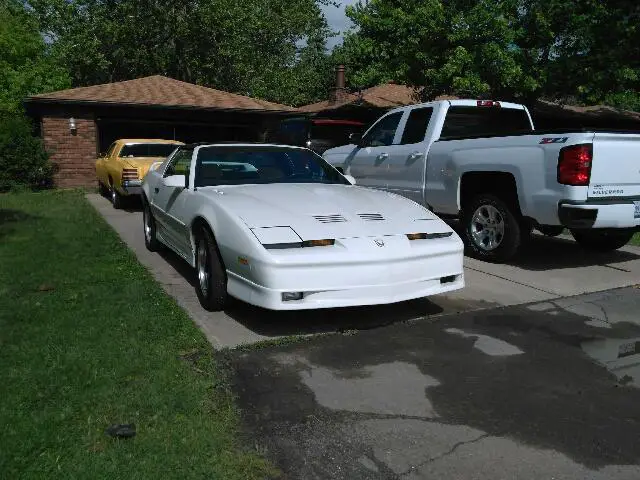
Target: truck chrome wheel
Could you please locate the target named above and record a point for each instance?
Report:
(203, 267)
(487, 227)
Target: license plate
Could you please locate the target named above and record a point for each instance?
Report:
(636, 211)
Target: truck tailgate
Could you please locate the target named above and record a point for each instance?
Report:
(615, 169)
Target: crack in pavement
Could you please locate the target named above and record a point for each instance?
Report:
(445, 454)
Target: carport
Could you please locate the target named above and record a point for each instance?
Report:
(80, 123)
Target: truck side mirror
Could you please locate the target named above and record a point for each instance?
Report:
(355, 138)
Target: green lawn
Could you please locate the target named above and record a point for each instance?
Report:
(88, 339)
(636, 239)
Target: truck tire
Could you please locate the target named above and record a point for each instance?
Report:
(492, 231)
(211, 276)
(602, 240)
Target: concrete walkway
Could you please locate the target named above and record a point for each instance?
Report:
(552, 269)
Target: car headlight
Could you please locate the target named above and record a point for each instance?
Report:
(273, 238)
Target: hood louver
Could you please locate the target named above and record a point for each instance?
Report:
(330, 218)
(371, 217)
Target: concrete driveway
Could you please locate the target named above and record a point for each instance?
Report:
(554, 268)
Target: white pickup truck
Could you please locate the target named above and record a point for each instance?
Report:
(483, 162)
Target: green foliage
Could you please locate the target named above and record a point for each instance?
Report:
(26, 68)
(23, 161)
(244, 47)
(512, 49)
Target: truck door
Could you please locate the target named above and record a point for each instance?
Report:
(406, 171)
(369, 162)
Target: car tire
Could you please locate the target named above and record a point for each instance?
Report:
(211, 276)
(550, 230)
(493, 232)
(602, 240)
(116, 198)
(104, 191)
(149, 228)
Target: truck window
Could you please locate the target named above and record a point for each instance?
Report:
(383, 132)
(463, 122)
(416, 128)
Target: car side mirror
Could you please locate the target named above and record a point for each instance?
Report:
(176, 181)
(351, 179)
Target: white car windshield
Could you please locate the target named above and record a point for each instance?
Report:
(236, 165)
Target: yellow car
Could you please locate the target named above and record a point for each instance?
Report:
(121, 170)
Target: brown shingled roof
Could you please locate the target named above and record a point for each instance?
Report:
(158, 90)
(388, 95)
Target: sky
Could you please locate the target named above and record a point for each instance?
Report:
(338, 21)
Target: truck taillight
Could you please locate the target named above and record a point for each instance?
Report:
(488, 103)
(129, 174)
(574, 165)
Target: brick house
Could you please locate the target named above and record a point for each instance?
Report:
(78, 124)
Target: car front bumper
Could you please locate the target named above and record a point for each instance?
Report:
(132, 187)
(365, 279)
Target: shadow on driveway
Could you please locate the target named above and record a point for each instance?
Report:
(557, 253)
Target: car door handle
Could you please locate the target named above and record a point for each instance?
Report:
(383, 156)
(415, 155)
(156, 190)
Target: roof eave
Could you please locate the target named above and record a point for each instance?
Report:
(89, 103)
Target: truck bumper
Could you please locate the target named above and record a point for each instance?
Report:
(600, 214)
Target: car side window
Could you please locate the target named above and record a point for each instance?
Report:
(180, 163)
(383, 132)
(416, 128)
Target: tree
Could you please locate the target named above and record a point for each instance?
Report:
(243, 47)
(26, 68)
(512, 49)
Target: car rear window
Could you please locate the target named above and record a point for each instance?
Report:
(464, 122)
(148, 150)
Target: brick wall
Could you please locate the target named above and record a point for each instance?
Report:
(73, 153)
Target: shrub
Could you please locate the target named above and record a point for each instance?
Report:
(23, 160)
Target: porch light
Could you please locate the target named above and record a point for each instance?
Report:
(72, 125)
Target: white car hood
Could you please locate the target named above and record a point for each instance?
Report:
(317, 211)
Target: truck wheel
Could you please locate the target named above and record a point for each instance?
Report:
(492, 232)
(550, 230)
(211, 282)
(602, 240)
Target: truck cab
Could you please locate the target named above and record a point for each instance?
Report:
(483, 162)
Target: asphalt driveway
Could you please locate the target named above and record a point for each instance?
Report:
(540, 391)
(554, 268)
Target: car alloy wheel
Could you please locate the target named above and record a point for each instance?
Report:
(202, 266)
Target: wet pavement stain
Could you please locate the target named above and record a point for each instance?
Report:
(545, 408)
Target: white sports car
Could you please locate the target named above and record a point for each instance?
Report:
(278, 227)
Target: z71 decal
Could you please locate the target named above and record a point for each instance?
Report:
(554, 140)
